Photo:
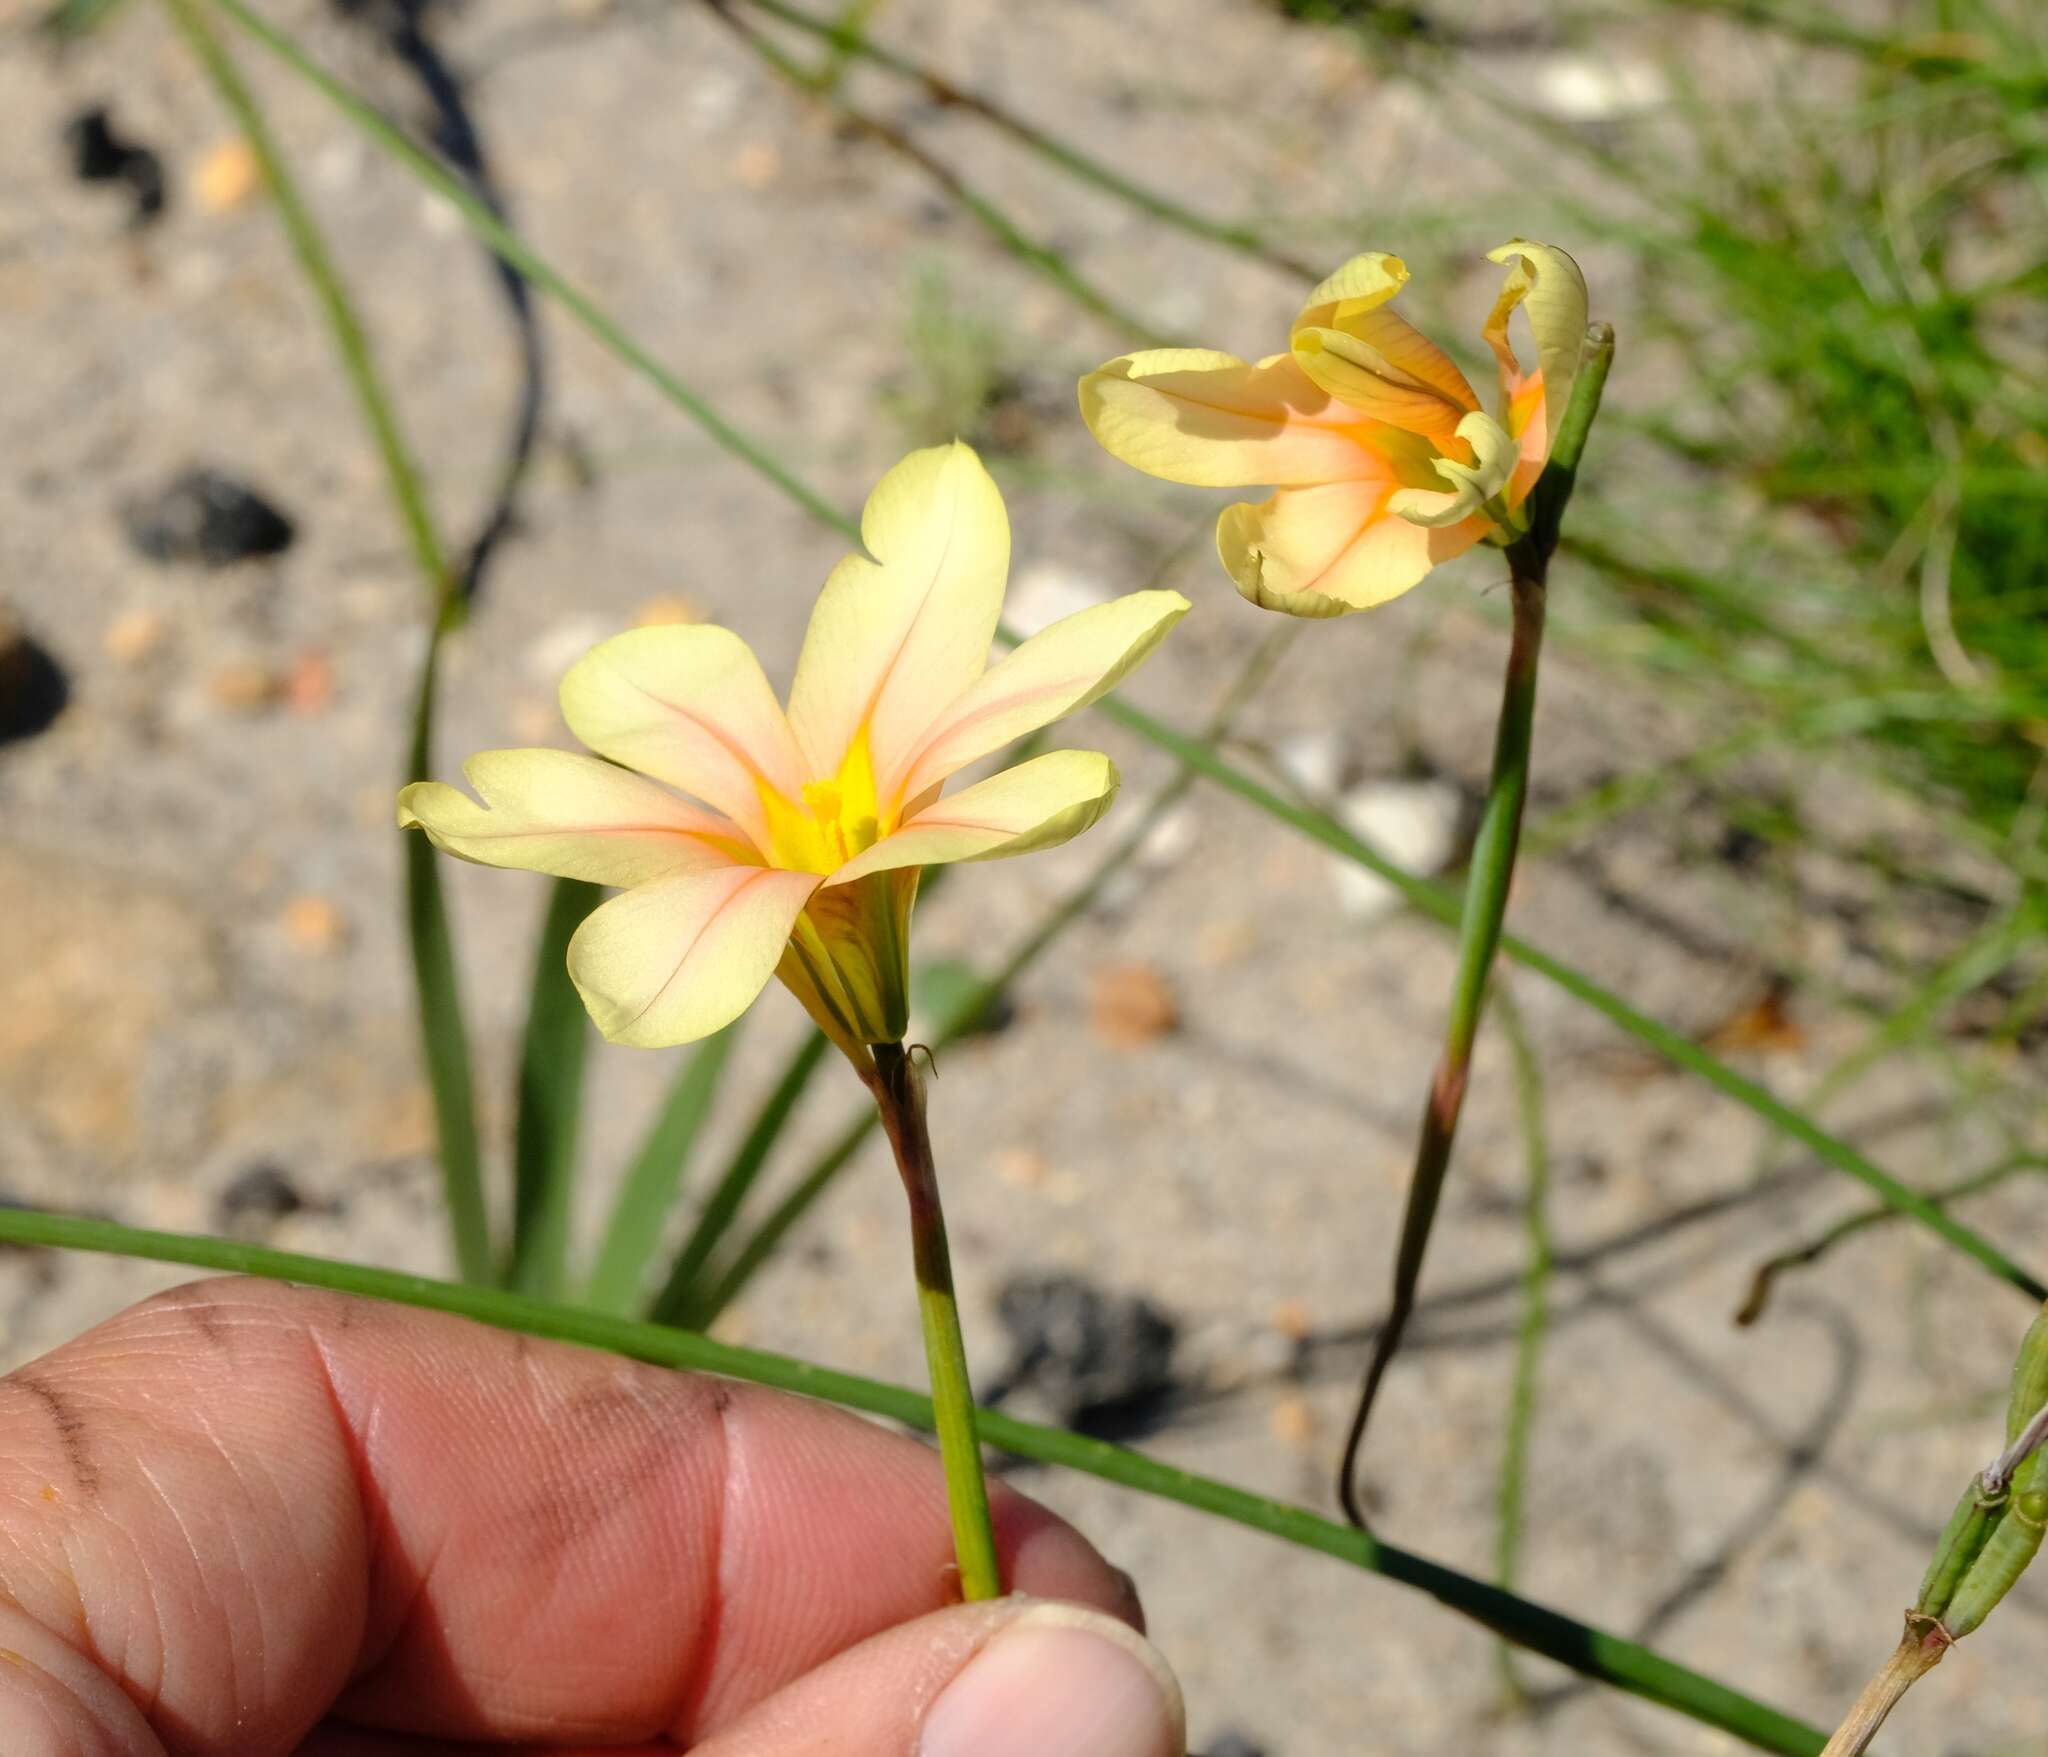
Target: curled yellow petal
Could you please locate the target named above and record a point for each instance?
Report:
(1039, 804)
(556, 812)
(1327, 550)
(676, 959)
(1370, 358)
(893, 639)
(1495, 455)
(1059, 670)
(1547, 283)
(1214, 421)
(689, 706)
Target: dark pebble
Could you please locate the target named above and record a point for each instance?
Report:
(33, 690)
(263, 1193)
(1234, 1744)
(205, 517)
(1102, 1360)
(100, 155)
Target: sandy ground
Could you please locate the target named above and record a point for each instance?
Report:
(200, 962)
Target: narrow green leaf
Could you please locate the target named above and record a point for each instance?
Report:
(444, 1038)
(1591, 1652)
(722, 1208)
(656, 1174)
(550, 1099)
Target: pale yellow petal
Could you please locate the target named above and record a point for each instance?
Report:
(677, 959)
(1325, 551)
(1058, 671)
(1366, 356)
(1039, 804)
(689, 706)
(893, 640)
(1214, 421)
(556, 812)
(1548, 285)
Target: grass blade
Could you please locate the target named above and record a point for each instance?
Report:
(652, 1180)
(679, 1292)
(444, 1037)
(550, 1100)
(1430, 899)
(1591, 1652)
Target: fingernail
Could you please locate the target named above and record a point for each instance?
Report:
(1059, 1682)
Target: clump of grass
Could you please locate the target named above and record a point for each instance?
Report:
(956, 382)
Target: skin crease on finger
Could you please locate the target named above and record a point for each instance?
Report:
(239, 1508)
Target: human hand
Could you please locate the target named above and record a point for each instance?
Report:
(245, 1520)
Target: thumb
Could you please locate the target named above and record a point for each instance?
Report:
(1014, 1678)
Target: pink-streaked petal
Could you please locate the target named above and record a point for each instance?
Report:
(1039, 804)
(894, 639)
(557, 812)
(1325, 551)
(675, 960)
(689, 706)
(1214, 421)
(1058, 671)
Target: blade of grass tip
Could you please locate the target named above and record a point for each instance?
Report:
(722, 1207)
(648, 1191)
(1246, 240)
(443, 1035)
(551, 1061)
(1589, 1651)
(719, 1290)
(1512, 1495)
(1042, 259)
(1427, 898)
(1488, 879)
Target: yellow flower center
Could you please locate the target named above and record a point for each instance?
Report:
(833, 821)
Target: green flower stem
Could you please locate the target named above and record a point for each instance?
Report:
(444, 1036)
(1486, 897)
(1511, 1501)
(1486, 888)
(899, 1100)
(1590, 1652)
(1429, 899)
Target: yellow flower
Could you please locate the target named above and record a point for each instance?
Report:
(1385, 463)
(797, 849)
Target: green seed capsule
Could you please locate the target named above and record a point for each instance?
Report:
(2029, 1379)
(2005, 1555)
(1969, 1528)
